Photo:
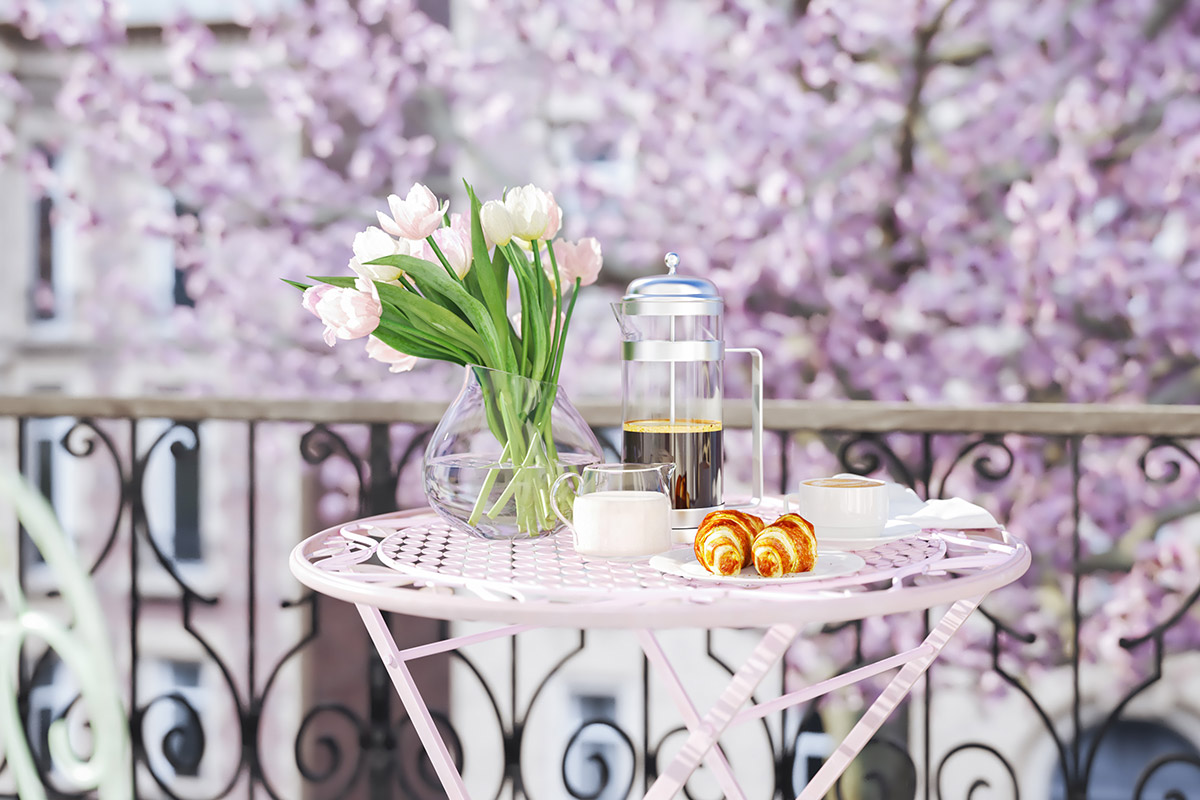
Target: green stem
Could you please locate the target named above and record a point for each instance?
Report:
(437, 251)
(486, 490)
(518, 475)
(557, 335)
(562, 342)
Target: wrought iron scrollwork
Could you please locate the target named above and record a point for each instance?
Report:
(868, 453)
(80, 442)
(899, 782)
(983, 448)
(320, 443)
(182, 744)
(1173, 467)
(653, 753)
(603, 769)
(141, 519)
(424, 767)
(1159, 764)
(978, 784)
(328, 748)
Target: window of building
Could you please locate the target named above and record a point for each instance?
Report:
(44, 289)
(179, 291)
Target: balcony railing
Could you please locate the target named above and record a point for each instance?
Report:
(239, 683)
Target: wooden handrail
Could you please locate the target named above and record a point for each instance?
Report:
(781, 415)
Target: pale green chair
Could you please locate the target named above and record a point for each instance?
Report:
(82, 646)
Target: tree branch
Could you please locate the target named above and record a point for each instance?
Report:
(922, 65)
(1160, 17)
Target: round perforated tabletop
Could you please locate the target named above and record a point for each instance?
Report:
(414, 563)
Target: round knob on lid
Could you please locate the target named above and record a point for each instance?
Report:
(672, 285)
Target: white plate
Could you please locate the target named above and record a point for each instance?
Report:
(830, 564)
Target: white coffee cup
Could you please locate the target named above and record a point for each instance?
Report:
(620, 511)
(844, 506)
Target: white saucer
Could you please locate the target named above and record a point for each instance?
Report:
(893, 529)
(830, 564)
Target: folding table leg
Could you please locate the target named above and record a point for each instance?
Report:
(422, 720)
(715, 758)
(887, 701)
(704, 735)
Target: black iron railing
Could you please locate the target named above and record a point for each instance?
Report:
(239, 683)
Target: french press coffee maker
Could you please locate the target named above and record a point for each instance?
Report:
(672, 386)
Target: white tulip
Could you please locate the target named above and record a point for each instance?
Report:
(530, 211)
(371, 244)
(497, 223)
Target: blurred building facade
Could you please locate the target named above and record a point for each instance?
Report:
(49, 262)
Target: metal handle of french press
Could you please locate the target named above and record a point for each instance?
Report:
(756, 420)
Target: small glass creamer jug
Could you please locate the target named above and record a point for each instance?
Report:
(619, 510)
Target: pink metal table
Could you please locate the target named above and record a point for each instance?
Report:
(413, 563)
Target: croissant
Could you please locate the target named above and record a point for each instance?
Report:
(786, 545)
(723, 540)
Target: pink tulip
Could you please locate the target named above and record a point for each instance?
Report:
(580, 259)
(396, 360)
(312, 296)
(455, 244)
(416, 216)
(554, 218)
(347, 313)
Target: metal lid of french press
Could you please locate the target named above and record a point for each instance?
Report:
(672, 293)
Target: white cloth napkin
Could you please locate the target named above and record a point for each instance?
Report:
(902, 500)
(951, 514)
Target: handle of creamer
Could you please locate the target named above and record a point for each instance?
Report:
(565, 477)
(756, 418)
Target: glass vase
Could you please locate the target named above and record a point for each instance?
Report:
(497, 451)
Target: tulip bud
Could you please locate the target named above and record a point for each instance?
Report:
(497, 223)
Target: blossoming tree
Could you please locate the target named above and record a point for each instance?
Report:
(954, 201)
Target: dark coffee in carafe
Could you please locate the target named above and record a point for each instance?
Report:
(693, 445)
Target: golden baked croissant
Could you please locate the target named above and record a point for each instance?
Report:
(723, 540)
(786, 545)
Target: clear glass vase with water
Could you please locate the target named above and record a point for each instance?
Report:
(492, 460)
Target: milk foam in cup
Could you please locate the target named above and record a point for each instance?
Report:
(619, 511)
(844, 506)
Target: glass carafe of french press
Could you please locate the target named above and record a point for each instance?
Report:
(672, 387)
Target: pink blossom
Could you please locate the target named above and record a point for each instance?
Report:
(347, 313)
(580, 259)
(416, 216)
(396, 360)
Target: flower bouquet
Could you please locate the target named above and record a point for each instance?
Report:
(430, 285)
